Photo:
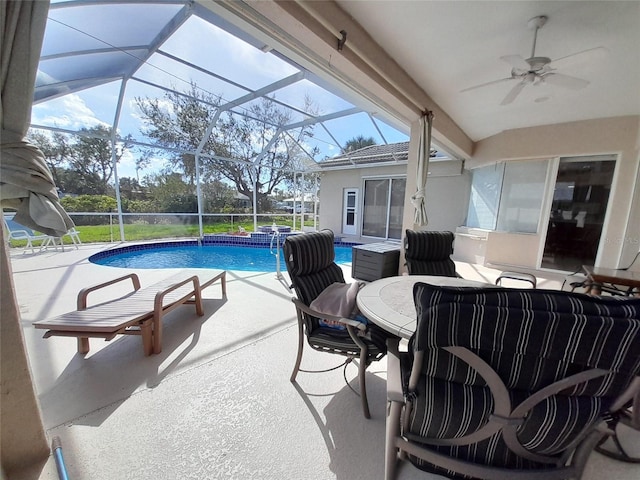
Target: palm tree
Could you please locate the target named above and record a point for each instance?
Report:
(356, 143)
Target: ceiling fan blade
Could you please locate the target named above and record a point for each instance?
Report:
(580, 57)
(513, 93)
(517, 62)
(486, 84)
(565, 81)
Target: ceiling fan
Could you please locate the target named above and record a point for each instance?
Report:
(537, 70)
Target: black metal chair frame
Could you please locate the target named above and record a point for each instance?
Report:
(357, 349)
(505, 417)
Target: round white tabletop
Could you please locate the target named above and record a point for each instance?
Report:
(388, 302)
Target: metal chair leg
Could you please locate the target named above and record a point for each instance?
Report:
(296, 367)
(362, 370)
(392, 432)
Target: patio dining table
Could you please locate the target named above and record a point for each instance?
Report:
(599, 275)
(388, 302)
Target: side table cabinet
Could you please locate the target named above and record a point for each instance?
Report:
(375, 260)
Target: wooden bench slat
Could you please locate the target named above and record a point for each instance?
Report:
(111, 318)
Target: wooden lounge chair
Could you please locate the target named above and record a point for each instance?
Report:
(138, 313)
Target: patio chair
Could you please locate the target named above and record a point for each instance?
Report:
(140, 312)
(310, 263)
(17, 232)
(429, 253)
(73, 235)
(510, 383)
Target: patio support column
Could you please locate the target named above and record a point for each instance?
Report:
(22, 438)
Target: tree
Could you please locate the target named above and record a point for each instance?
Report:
(83, 166)
(72, 181)
(236, 150)
(55, 148)
(130, 189)
(171, 193)
(356, 143)
(91, 155)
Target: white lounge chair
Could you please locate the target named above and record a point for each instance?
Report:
(73, 235)
(15, 231)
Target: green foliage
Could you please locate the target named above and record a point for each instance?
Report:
(139, 206)
(144, 231)
(242, 150)
(82, 163)
(81, 183)
(358, 142)
(89, 203)
(130, 189)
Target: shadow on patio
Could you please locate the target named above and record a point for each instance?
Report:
(217, 402)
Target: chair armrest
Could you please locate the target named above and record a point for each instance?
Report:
(82, 295)
(395, 392)
(314, 313)
(18, 235)
(158, 304)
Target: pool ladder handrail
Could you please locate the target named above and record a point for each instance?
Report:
(275, 235)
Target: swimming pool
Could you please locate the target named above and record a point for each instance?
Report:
(224, 257)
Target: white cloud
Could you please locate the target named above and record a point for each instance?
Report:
(69, 112)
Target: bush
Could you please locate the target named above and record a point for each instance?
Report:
(89, 203)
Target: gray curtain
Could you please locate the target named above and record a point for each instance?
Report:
(26, 183)
(424, 150)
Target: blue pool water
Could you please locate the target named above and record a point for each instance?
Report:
(250, 259)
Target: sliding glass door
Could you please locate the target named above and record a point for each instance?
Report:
(383, 207)
(577, 214)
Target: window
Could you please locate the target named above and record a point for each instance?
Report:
(521, 196)
(508, 196)
(383, 207)
(485, 197)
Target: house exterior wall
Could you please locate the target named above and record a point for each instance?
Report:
(447, 193)
(619, 135)
(332, 185)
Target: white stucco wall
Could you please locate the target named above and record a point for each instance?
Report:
(447, 193)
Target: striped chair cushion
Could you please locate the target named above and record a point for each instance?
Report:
(309, 253)
(428, 253)
(310, 263)
(531, 338)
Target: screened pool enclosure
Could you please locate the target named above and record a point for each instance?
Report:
(186, 119)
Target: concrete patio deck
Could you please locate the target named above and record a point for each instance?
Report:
(217, 402)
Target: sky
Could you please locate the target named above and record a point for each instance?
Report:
(239, 69)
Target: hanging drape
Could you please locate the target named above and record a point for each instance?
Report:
(26, 183)
(424, 150)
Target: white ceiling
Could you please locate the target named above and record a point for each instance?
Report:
(447, 46)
